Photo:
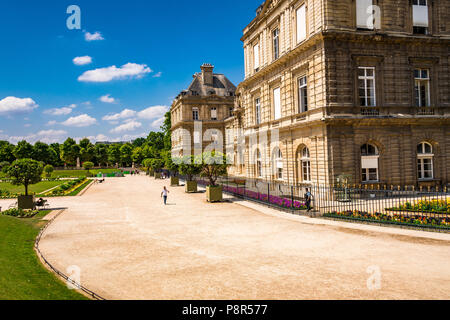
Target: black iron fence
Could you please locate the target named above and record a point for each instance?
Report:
(418, 207)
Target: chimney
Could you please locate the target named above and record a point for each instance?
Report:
(207, 74)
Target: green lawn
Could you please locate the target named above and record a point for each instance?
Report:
(79, 173)
(35, 188)
(22, 276)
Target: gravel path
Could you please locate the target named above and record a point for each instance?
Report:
(130, 246)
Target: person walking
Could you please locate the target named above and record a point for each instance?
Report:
(164, 194)
(308, 199)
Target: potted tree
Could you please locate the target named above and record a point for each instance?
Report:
(48, 169)
(147, 164)
(213, 165)
(156, 165)
(25, 172)
(189, 168)
(173, 166)
(88, 166)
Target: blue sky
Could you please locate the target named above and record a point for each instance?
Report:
(141, 54)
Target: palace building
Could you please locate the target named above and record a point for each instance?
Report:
(359, 88)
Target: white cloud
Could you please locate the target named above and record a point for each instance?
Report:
(129, 70)
(81, 61)
(128, 126)
(64, 111)
(96, 36)
(153, 112)
(158, 123)
(81, 121)
(51, 123)
(27, 125)
(12, 105)
(107, 99)
(158, 75)
(125, 114)
(46, 136)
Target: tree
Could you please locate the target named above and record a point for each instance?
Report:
(167, 130)
(114, 154)
(70, 151)
(213, 165)
(171, 165)
(87, 150)
(23, 150)
(156, 140)
(4, 166)
(101, 154)
(189, 168)
(48, 169)
(137, 156)
(25, 172)
(156, 164)
(88, 166)
(126, 152)
(6, 152)
(42, 152)
(55, 150)
(147, 163)
(139, 142)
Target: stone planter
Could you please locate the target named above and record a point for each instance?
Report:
(191, 186)
(157, 175)
(174, 181)
(214, 194)
(26, 202)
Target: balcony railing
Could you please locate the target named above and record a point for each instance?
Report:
(387, 112)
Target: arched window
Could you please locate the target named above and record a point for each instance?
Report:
(258, 164)
(305, 165)
(369, 163)
(278, 163)
(425, 161)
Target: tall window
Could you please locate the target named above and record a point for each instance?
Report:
(301, 24)
(258, 110)
(302, 94)
(366, 81)
(276, 44)
(258, 164)
(369, 163)
(420, 16)
(364, 14)
(422, 87)
(195, 114)
(213, 113)
(306, 165)
(256, 57)
(278, 164)
(425, 161)
(277, 103)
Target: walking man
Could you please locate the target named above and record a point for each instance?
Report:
(164, 195)
(308, 199)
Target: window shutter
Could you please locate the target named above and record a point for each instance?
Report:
(420, 16)
(301, 24)
(277, 103)
(364, 14)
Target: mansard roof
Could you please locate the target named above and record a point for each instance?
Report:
(221, 86)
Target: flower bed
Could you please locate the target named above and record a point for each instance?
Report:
(397, 219)
(278, 201)
(5, 194)
(19, 213)
(67, 188)
(425, 206)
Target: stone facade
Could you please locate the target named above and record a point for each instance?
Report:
(336, 124)
(346, 94)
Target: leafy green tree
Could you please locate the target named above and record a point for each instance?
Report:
(25, 172)
(87, 150)
(48, 169)
(139, 142)
(42, 152)
(156, 140)
(4, 166)
(6, 152)
(189, 168)
(23, 150)
(147, 163)
(70, 151)
(213, 165)
(114, 154)
(156, 164)
(126, 152)
(101, 154)
(137, 156)
(88, 166)
(55, 150)
(167, 131)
